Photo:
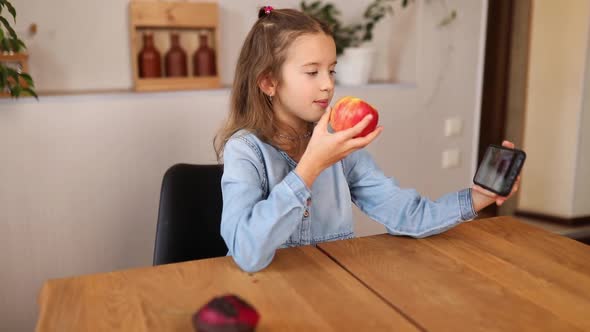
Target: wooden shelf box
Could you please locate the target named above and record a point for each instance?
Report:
(17, 61)
(188, 19)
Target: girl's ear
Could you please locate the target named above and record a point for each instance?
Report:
(268, 85)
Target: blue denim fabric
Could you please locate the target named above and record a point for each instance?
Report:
(267, 206)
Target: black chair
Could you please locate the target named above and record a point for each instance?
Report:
(189, 216)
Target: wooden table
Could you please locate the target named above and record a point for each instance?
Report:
(302, 290)
(486, 275)
(492, 275)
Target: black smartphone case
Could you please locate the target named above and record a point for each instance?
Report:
(516, 171)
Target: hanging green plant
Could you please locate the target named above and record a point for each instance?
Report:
(12, 80)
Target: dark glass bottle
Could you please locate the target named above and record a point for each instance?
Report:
(176, 58)
(149, 59)
(204, 58)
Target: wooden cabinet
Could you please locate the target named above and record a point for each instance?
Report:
(187, 19)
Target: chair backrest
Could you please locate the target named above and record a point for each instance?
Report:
(189, 216)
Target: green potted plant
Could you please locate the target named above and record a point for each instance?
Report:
(354, 58)
(12, 80)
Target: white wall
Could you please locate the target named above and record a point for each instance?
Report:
(582, 182)
(582, 187)
(80, 175)
(556, 176)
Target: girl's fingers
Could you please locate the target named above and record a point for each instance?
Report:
(508, 144)
(323, 122)
(357, 129)
(515, 188)
(361, 142)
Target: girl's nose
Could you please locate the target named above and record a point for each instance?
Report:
(327, 83)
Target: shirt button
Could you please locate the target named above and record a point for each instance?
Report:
(308, 201)
(306, 213)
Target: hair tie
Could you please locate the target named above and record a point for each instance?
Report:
(267, 10)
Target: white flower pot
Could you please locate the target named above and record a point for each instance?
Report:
(355, 65)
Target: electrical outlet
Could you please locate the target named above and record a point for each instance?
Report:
(451, 158)
(453, 127)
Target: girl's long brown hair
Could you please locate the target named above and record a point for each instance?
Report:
(263, 53)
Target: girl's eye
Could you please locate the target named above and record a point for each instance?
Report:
(332, 72)
(312, 73)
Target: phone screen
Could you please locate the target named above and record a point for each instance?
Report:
(497, 171)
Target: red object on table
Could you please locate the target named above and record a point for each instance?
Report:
(227, 313)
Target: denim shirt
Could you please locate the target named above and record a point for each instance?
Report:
(267, 206)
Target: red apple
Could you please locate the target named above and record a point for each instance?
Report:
(226, 313)
(349, 111)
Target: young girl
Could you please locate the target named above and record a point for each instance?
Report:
(288, 182)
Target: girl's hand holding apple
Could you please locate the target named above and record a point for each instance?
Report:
(355, 126)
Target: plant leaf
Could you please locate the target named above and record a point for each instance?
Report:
(3, 78)
(12, 73)
(15, 90)
(31, 92)
(11, 10)
(15, 45)
(8, 27)
(5, 44)
(315, 5)
(448, 19)
(303, 6)
(28, 79)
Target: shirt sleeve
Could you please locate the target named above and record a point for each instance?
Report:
(252, 225)
(402, 211)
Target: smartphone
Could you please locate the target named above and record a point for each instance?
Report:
(499, 169)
